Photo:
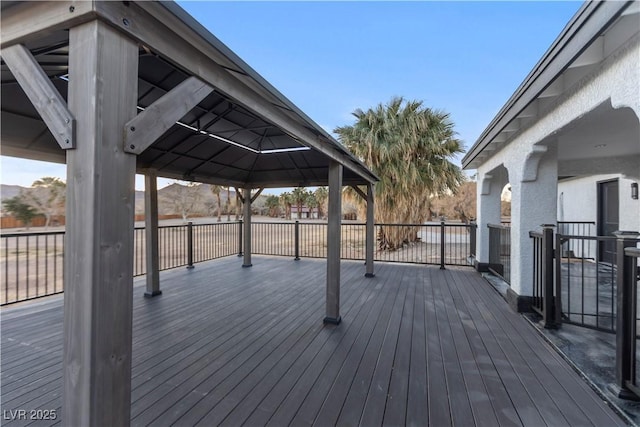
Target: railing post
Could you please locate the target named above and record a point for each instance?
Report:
(548, 310)
(494, 245)
(625, 339)
(442, 243)
(297, 240)
(190, 245)
(240, 254)
(473, 228)
(558, 278)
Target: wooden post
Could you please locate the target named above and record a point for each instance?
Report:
(370, 231)
(626, 316)
(247, 227)
(151, 234)
(333, 243)
(98, 275)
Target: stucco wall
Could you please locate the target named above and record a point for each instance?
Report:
(529, 159)
(577, 201)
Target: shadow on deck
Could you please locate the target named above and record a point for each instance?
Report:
(227, 345)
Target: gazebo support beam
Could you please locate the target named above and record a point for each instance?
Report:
(151, 233)
(42, 93)
(333, 243)
(246, 206)
(145, 128)
(99, 241)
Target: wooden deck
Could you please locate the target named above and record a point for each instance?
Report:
(230, 346)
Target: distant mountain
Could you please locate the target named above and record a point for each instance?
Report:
(9, 191)
(206, 203)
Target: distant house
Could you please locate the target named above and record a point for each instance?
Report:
(305, 213)
(567, 141)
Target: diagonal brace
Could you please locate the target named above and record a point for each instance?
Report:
(359, 192)
(255, 196)
(42, 93)
(144, 129)
(239, 194)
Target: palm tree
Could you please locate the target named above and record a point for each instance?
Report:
(286, 200)
(238, 204)
(228, 204)
(216, 189)
(299, 196)
(410, 148)
(272, 203)
(321, 195)
(312, 203)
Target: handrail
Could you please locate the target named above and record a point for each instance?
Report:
(36, 233)
(632, 252)
(574, 236)
(577, 222)
(32, 263)
(498, 226)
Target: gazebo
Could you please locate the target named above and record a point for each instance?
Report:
(115, 88)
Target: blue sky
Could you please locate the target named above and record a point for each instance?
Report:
(330, 58)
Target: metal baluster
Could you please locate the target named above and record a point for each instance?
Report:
(17, 268)
(6, 271)
(37, 265)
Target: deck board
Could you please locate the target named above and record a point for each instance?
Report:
(229, 346)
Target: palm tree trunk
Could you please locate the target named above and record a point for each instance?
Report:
(219, 206)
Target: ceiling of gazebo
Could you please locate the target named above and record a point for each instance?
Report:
(220, 141)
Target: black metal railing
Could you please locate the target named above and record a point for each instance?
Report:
(577, 248)
(172, 248)
(500, 251)
(627, 321)
(432, 243)
(212, 241)
(273, 238)
(438, 244)
(599, 293)
(587, 284)
(309, 240)
(32, 263)
(312, 240)
(546, 297)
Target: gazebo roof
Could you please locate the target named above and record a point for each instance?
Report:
(244, 133)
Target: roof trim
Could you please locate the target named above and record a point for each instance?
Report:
(172, 33)
(323, 137)
(589, 22)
